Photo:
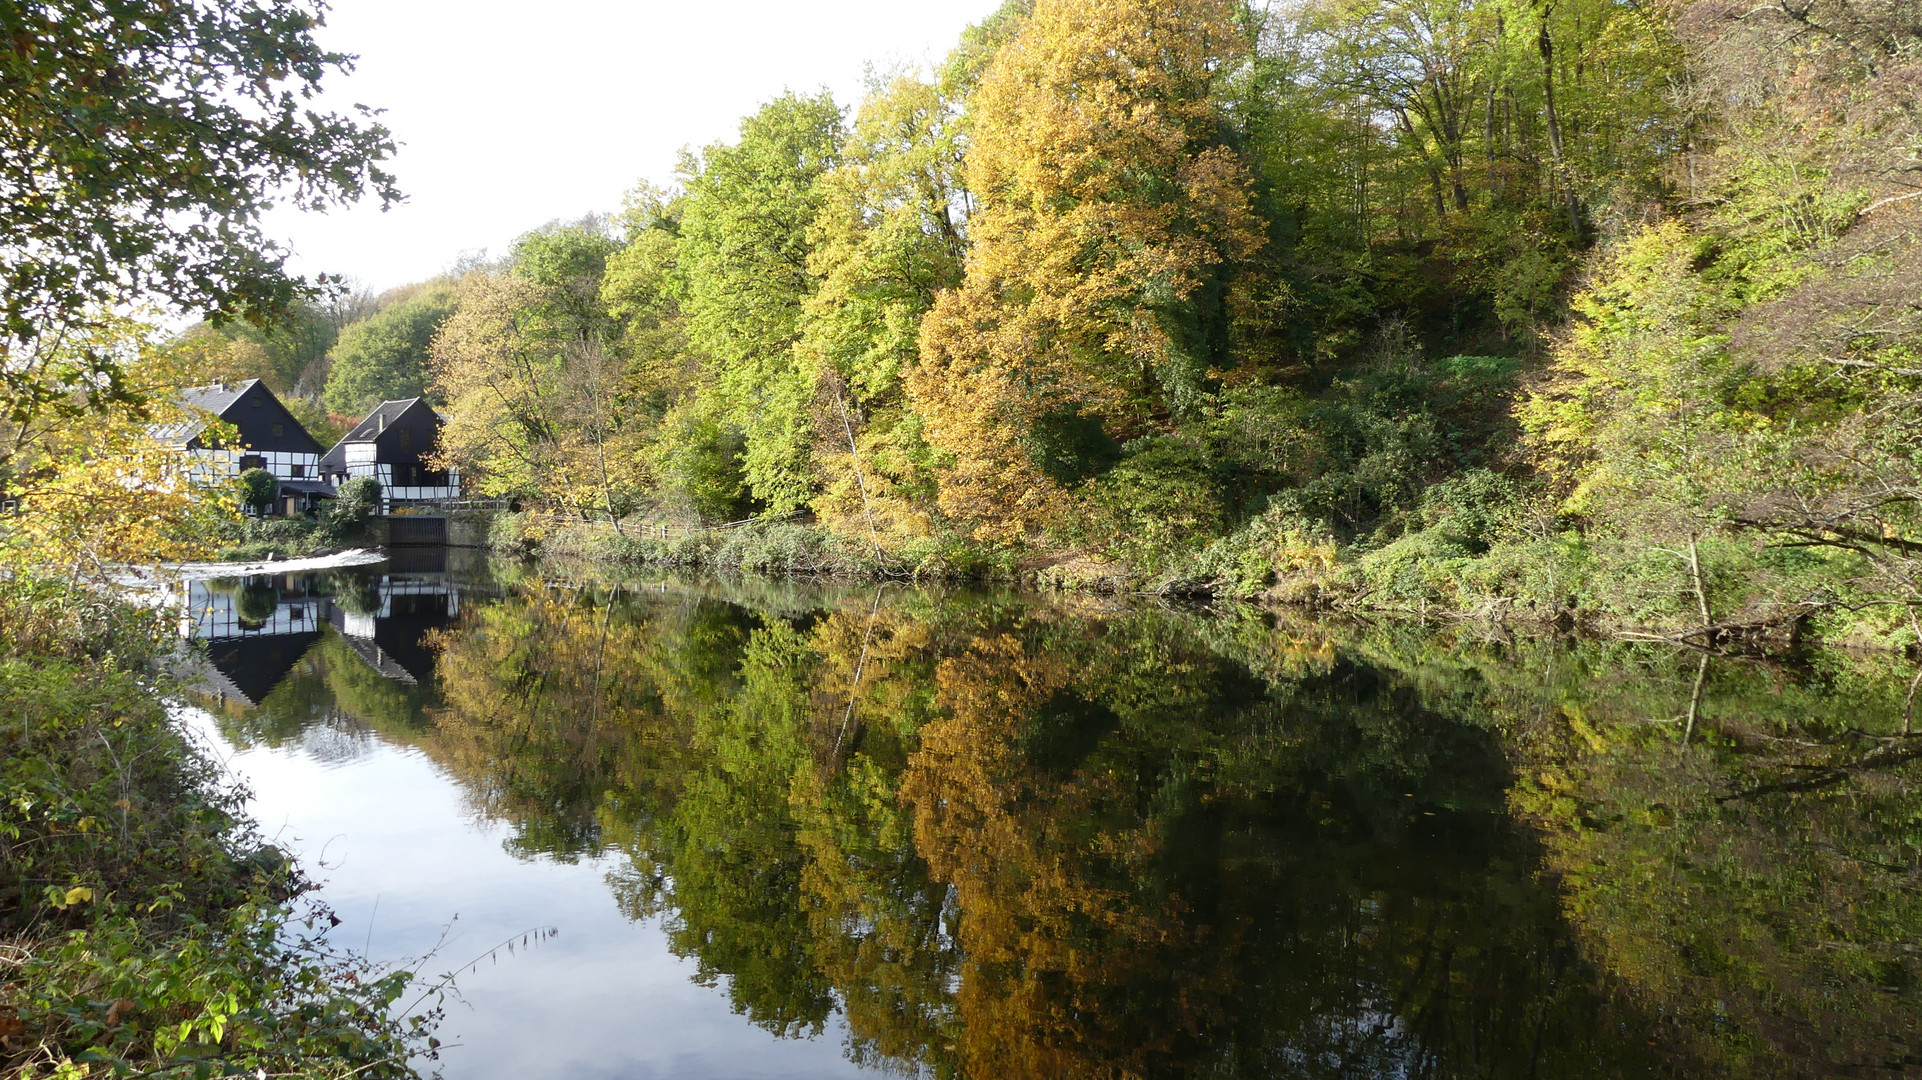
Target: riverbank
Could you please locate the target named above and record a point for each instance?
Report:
(1552, 584)
(149, 929)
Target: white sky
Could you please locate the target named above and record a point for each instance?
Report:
(513, 115)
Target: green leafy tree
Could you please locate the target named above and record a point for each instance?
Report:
(384, 357)
(356, 500)
(642, 294)
(744, 257)
(258, 490)
(140, 145)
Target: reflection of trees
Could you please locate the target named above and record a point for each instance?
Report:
(1166, 867)
(1012, 842)
(1752, 875)
(555, 704)
(1015, 840)
(257, 602)
(355, 591)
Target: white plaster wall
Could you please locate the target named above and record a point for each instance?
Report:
(224, 464)
(215, 616)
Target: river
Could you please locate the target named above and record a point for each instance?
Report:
(754, 829)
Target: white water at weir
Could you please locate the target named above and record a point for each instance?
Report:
(403, 860)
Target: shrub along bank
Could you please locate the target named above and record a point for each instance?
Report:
(342, 520)
(1478, 547)
(148, 929)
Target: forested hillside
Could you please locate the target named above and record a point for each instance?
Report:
(1577, 310)
(330, 362)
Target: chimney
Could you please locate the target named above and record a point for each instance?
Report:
(382, 414)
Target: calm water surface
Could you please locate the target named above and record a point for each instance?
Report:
(750, 830)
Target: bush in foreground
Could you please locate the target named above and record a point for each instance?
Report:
(152, 932)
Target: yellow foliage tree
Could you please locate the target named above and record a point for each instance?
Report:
(1107, 201)
(90, 490)
(1051, 928)
(120, 500)
(887, 240)
(528, 410)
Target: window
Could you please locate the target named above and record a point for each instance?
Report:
(280, 431)
(406, 439)
(254, 401)
(252, 461)
(299, 471)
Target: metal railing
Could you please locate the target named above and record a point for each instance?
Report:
(452, 505)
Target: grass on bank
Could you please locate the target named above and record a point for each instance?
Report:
(775, 548)
(148, 929)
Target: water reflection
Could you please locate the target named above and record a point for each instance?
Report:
(999, 838)
(323, 659)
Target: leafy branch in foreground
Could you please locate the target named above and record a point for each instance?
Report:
(143, 140)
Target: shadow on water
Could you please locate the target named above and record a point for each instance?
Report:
(1006, 837)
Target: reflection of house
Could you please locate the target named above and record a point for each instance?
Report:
(392, 445)
(269, 438)
(231, 611)
(392, 637)
(255, 633)
(256, 630)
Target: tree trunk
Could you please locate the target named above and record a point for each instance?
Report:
(1546, 43)
(854, 459)
(1695, 572)
(1428, 160)
(1489, 154)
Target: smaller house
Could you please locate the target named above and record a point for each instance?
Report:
(270, 438)
(392, 445)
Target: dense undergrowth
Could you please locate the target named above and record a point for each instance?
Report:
(148, 930)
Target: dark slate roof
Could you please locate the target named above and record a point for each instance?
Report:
(257, 663)
(370, 428)
(216, 398)
(264, 429)
(385, 413)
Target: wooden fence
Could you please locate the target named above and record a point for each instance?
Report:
(657, 529)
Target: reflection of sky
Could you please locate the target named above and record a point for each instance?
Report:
(400, 856)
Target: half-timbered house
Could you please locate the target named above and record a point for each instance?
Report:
(393, 445)
(268, 437)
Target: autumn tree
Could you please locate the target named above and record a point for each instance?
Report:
(887, 240)
(1109, 204)
(95, 492)
(501, 384)
(536, 388)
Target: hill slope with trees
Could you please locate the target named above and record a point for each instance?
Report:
(1581, 310)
